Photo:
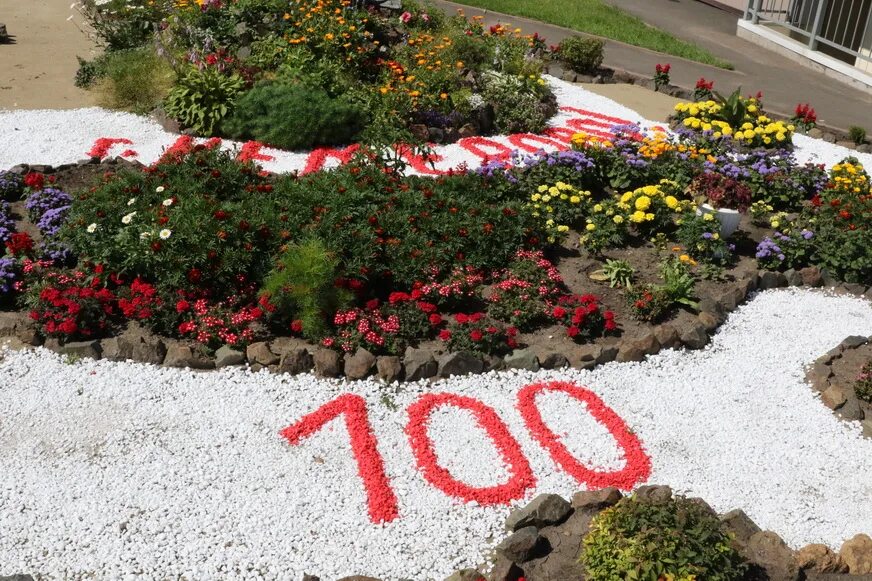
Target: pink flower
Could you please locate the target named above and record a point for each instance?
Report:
(405, 17)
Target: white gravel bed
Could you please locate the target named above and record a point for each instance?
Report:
(118, 469)
(55, 137)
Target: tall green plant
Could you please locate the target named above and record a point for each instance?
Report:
(202, 98)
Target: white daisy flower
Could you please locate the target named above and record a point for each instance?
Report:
(131, 201)
(91, 228)
(164, 234)
(168, 202)
(128, 218)
(159, 189)
(145, 236)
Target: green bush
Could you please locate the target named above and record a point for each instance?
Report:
(517, 107)
(647, 541)
(202, 98)
(134, 80)
(301, 286)
(581, 54)
(90, 71)
(293, 117)
(857, 134)
(473, 51)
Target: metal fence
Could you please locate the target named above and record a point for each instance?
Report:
(839, 28)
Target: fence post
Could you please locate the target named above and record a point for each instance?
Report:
(758, 4)
(816, 26)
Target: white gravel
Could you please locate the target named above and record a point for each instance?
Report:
(55, 137)
(116, 469)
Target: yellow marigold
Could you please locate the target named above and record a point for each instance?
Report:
(574, 200)
(638, 217)
(590, 227)
(643, 203)
(671, 201)
(618, 219)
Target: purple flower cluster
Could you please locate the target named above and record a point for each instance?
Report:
(41, 201)
(769, 249)
(11, 186)
(440, 120)
(7, 224)
(49, 208)
(8, 273)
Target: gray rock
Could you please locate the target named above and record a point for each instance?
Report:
(740, 524)
(653, 493)
(359, 578)
(419, 364)
(851, 409)
(360, 364)
(461, 363)
(327, 362)
(770, 279)
(815, 132)
(597, 499)
(667, 336)
(768, 551)
(834, 397)
(522, 359)
(828, 137)
(20, 325)
(520, 545)
(389, 368)
(226, 356)
(609, 353)
(853, 341)
(90, 349)
(811, 276)
(544, 510)
(504, 570)
(18, 577)
(693, 335)
(296, 360)
(307, 577)
(553, 360)
(709, 320)
(260, 353)
(819, 374)
(847, 144)
(468, 130)
(864, 148)
(854, 288)
(465, 575)
(636, 348)
(181, 355)
(793, 277)
(139, 344)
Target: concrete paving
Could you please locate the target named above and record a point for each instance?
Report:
(784, 83)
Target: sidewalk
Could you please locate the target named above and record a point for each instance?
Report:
(783, 82)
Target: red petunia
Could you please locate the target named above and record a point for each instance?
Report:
(475, 335)
(34, 180)
(445, 334)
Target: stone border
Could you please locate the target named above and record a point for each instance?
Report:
(837, 392)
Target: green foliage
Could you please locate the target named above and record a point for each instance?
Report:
(651, 302)
(618, 273)
(203, 98)
(122, 24)
(293, 117)
(863, 385)
(857, 134)
(678, 283)
(473, 51)
(518, 108)
(134, 80)
(90, 71)
(302, 287)
(582, 54)
(734, 109)
(647, 541)
(701, 237)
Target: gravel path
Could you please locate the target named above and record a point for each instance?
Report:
(119, 469)
(56, 137)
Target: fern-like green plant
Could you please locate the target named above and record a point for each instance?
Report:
(678, 282)
(202, 98)
(302, 287)
(618, 273)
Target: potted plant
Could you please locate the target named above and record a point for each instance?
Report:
(722, 196)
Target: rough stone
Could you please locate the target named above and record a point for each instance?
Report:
(667, 336)
(19, 577)
(770, 279)
(545, 509)
(20, 325)
(90, 349)
(420, 132)
(226, 356)
(846, 143)
(851, 409)
(307, 577)
(834, 397)
(740, 524)
(139, 344)
(815, 132)
(853, 341)
(596, 499)
(653, 493)
(708, 304)
(767, 550)
(181, 355)
(828, 137)
(468, 130)
(693, 335)
(419, 364)
(635, 349)
(360, 364)
(522, 359)
(553, 360)
(359, 578)
(564, 543)
(864, 148)
(460, 363)
(709, 321)
(584, 356)
(856, 552)
(609, 353)
(793, 277)
(519, 546)
(821, 559)
(260, 353)
(296, 360)
(465, 575)
(389, 368)
(327, 362)
(854, 288)
(504, 570)
(819, 374)
(867, 427)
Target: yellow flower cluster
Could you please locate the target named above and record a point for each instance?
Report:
(755, 129)
(650, 203)
(330, 25)
(558, 204)
(849, 177)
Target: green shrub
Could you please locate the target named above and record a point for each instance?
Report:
(134, 80)
(293, 117)
(581, 54)
(647, 541)
(857, 134)
(301, 286)
(473, 51)
(202, 98)
(517, 107)
(122, 24)
(90, 71)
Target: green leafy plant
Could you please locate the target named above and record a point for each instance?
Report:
(651, 540)
(857, 134)
(302, 288)
(678, 282)
(518, 108)
(90, 71)
(135, 80)
(863, 385)
(618, 273)
(582, 54)
(202, 98)
(294, 117)
(734, 109)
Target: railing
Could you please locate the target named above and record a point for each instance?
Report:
(839, 28)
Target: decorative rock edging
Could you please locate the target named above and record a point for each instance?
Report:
(430, 361)
(834, 374)
(546, 539)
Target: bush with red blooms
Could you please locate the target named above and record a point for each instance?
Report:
(19, 244)
(525, 290)
(405, 319)
(661, 75)
(229, 322)
(475, 333)
(804, 117)
(454, 290)
(583, 317)
(703, 90)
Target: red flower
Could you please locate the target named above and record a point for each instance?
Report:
(194, 275)
(220, 215)
(182, 306)
(20, 243)
(445, 334)
(187, 327)
(372, 304)
(572, 331)
(297, 326)
(559, 312)
(435, 319)
(461, 318)
(476, 317)
(34, 180)
(475, 335)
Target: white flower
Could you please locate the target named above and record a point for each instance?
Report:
(164, 234)
(131, 201)
(145, 236)
(91, 228)
(168, 202)
(159, 189)
(128, 218)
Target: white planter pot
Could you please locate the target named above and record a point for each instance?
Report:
(729, 219)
